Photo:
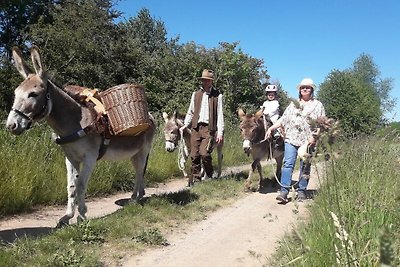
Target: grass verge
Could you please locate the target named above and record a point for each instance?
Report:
(355, 219)
(131, 229)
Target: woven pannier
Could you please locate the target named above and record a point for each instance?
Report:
(126, 108)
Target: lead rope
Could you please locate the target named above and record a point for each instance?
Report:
(274, 170)
(181, 156)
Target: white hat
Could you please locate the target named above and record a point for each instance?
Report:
(271, 88)
(306, 82)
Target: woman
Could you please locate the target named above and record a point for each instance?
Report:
(295, 122)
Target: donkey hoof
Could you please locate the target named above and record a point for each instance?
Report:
(80, 218)
(62, 224)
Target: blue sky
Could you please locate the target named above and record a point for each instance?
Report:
(296, 39)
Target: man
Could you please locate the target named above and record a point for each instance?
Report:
(205, 114)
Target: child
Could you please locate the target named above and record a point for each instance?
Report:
(271, 105)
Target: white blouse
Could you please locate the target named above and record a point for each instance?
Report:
(295, 121)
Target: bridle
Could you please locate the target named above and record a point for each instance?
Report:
(44, 111)
(173, 140)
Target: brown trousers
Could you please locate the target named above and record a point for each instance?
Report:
(198, 152)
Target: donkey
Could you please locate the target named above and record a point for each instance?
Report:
(173, 138)
(325, 131)
(38, 99)
(254, 143)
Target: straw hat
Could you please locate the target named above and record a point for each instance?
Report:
(306, 82)
(207, 74)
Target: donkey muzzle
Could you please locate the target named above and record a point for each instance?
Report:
(246, 146)
(169, 146)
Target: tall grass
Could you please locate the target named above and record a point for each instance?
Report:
(355, 219)
(32, 169)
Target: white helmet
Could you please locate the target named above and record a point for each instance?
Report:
(271, 88)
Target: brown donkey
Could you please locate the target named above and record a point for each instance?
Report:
(38, 99)
(254, 143)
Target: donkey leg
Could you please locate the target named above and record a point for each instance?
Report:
(261, 181)
(72, 177)
(81, 186)
(139, 162)
(248, 180)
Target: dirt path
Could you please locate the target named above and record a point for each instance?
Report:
(243, 234)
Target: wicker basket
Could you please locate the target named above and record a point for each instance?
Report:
(126, 108)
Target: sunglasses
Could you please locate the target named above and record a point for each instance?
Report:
(305, 87)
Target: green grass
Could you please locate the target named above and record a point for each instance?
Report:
(361, 190)
(356, 210)
(32, 169)
(129, 230)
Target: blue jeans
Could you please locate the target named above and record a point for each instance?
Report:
(289, 162)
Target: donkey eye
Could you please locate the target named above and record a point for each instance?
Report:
(32, 94)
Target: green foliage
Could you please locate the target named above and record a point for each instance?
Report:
(16, 17)
(152, 236)
(353, 105)
(9, 78)
(70, 258)
(355, 219)
(86, 232)
(137, 51)
(77, 43)
(240, 77)
(386, 244)
(390, 131)
(26, 176)
(355, 98)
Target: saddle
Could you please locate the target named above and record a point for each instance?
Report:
(91, 99)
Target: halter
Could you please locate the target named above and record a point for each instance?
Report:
(44, 112)
(175, 141)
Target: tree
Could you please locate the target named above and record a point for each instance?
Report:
(77, 44)
(240, 77)
(349, 100)
(16, 17)
(358, 97)
(82, 45)
(367, 72)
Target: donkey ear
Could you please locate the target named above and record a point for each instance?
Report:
(174, 114)
(20, 63)
(165, 116)
(259, 113)
(37, 61)
(241, 113)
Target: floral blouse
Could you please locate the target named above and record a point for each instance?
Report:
(295, 120)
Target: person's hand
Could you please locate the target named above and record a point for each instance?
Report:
(268, 134)
(219, 139)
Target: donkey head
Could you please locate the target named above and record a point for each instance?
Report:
(251, 127)
(31, 100)
(171, 131)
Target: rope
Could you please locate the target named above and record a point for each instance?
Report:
(274, 170)
(181, 147)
